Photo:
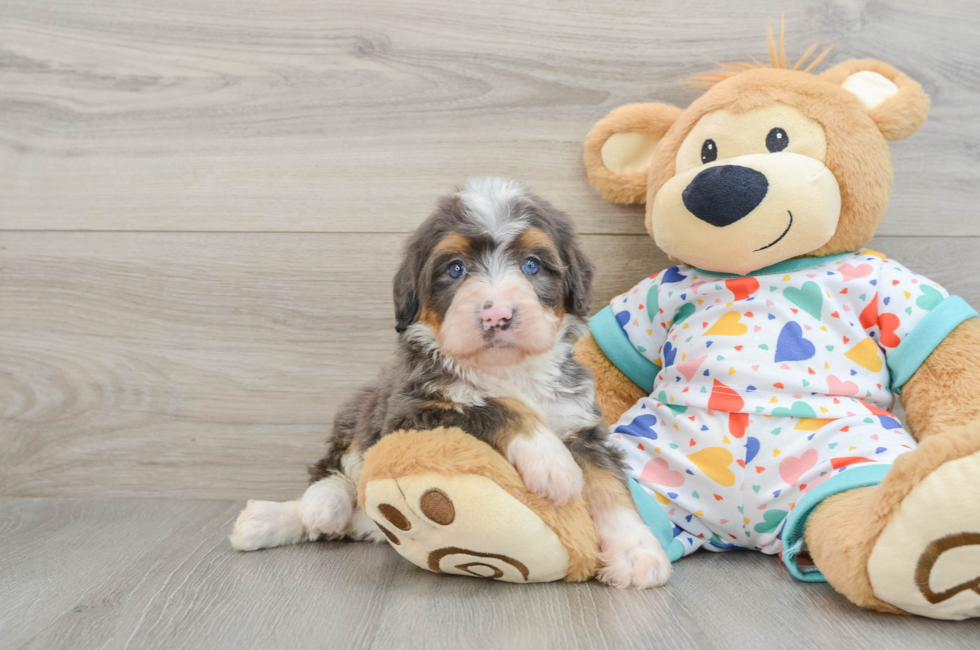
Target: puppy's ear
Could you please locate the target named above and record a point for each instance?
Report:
(620, 147)
(407, 305)
(896, 103)
(577, 283)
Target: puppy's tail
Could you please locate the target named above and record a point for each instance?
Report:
(265, 524)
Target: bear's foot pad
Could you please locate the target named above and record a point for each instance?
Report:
(465, 525)
(927, 559)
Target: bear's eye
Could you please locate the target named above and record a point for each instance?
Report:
(777, 140)
(709, 151)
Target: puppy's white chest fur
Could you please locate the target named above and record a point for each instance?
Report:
(564, 408)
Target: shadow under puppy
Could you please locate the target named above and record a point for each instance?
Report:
(491, 296)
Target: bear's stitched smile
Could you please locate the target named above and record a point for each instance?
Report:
(780, 237)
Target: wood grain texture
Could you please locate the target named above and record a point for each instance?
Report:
(133, 573)
(270, 115)
(209, 365)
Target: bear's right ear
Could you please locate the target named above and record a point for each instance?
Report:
(619, 148)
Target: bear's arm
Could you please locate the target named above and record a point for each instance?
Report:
(945, 391)
(614, 391)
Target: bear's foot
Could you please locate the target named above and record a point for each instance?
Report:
(927, 559)
(450, 503)
(911, 544)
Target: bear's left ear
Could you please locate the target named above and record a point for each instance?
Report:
(896, 103)
(619, 148)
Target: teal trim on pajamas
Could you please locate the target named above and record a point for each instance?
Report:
(786, 266)
(656, 521)
(918, 344)
(617, 347)
(862, 476)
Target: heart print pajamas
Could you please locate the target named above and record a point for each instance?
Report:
(768, 392)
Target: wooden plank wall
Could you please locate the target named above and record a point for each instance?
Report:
(201, 203)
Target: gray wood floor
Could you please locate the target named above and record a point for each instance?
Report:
(201, 204)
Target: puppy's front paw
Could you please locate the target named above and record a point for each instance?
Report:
(636, 561)
(327, 506)
(546, 466)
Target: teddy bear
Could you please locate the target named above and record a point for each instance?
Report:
(749, 387)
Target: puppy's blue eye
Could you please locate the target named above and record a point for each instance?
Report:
(456, 270)
(531, 266)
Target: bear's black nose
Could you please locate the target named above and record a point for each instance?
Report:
(724, 194)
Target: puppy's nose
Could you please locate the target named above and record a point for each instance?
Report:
(496, 315)
(724, 194)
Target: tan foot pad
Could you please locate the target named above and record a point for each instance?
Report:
(927, 559)
(465, 525)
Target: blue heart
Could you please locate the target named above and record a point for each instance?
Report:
(854, 372)
(689, 472)
(672, 275)
(771, 317)
(751, 449)
(706, 373)
(622, 318)
(670, 352)
(672, 495)
(791, 346)
(776, 493)
(874, 282)
(749, 389)
(641, 426)
(708, 344)
(881, 450)
(889, 423)
(704, 428)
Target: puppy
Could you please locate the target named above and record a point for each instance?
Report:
(491, 295)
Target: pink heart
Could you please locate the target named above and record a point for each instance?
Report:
(688, 368)
(696, 286)
(837, 387)
(785, 366)
(757, 328)
(769, 303)
(656, 471)
(756, 368)
(722, 521)
(792, 468)
(851, 272)
(874, 437)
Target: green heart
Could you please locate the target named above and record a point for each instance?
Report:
(653, 302)
(809, 298)
(763, 347)
(695, 494)
(798, 410)
(772, 520)
(673, 446)
(756, 488)
(677, 409)
(830, 348)
(832, 445)
(682, 314)
(930, 297)
(777, 431)
(740, 509)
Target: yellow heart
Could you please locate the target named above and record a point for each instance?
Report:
(728, 325)
(726, 440)
(865, 354)
(776, 452)
(714, 462)
(700, 513)
(661, 498)
(747, 520)
(810, 424)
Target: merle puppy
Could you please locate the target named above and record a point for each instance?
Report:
(490, 298)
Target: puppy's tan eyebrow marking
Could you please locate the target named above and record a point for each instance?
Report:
(537, 239)
(453, 243)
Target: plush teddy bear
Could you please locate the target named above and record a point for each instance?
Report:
(749, 386)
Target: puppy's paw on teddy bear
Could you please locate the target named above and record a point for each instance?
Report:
(546, 466)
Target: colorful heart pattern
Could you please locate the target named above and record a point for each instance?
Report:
(768, 385)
